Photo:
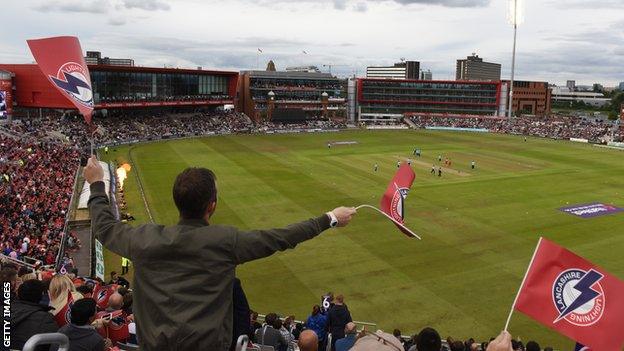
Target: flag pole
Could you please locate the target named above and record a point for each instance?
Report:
(513, 306)
(390, 218)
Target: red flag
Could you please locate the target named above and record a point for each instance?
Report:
(61, 61)
(117, 328)
(101, 294)
(64, 315)
(393, 200)
(574, 297)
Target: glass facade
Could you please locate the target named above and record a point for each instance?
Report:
(398, 97)
(112, 86)
(293, 89)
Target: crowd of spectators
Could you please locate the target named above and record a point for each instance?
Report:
(335, 324)
(93, 314)
(36, 184)
(552, 127)
(160, 98)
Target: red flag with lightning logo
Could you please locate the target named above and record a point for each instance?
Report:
(393, 200)
(61, 61)
(574, 297)
(64, 315)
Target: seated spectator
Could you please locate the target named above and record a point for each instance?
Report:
(119, 280)
(428, 340)
(60, 287)
(532, 346)
(115, 302)
(86, 290)
(318, 323)
(82, 336)
(457, 346)
(308, 341)
(378, 341)
(286, 334)
(29, 316)
(347, 342)
(268, 335)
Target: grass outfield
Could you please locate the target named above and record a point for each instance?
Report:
(479, 227)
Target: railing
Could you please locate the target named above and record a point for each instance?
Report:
(47, 339)
(65, 233)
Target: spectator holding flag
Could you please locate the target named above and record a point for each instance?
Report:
(184, 273)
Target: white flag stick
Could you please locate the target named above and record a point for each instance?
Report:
(513, 306)
(390, 218)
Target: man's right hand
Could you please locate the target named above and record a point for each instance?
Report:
(93, 172)
(344, 215)
(501, 343)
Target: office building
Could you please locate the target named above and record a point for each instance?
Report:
(400, 70)
(474, 68)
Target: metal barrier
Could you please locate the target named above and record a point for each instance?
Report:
(242, 342)
(47, 339)
(72, 202)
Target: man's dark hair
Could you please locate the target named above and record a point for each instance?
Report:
(113, 273)
(193, 191)
(82, 311)
(397, 334)
(31, 291)
(548, 348)
(270, 319)
(428, 340)
(458, 346)
(23, 270)
(532, 346)
(85, 289)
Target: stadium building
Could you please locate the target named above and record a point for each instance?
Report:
(386, 99)
(529, 98)
(290, 96)
(126, 87)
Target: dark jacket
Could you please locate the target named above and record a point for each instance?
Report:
(28, 319)
(242, 321)
(183, 274)
(270, 336)
(337, 318)
(83, 338)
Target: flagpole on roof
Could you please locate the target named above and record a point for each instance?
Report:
(513, 306)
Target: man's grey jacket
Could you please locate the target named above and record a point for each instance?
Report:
(183, 273)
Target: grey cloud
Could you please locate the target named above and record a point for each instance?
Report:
(360, 7)
(447, 3)
(587, 4)
(147, 5)
(116, 21)
(340, 4)
(85, 6)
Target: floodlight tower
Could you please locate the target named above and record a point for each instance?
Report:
(515, 16)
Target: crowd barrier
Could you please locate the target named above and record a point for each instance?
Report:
(476, 130)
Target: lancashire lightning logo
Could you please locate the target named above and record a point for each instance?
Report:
(102, 295)
(72, 78)
(578, 296)
(396, 208)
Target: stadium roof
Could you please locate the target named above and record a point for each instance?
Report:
(290, 75)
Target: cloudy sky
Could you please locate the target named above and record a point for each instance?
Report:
(559, 39)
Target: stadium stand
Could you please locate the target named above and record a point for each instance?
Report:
(38, 163)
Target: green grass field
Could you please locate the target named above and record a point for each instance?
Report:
(479, 228)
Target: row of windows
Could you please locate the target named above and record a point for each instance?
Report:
(416, 95)
(149, 85)
(428, 108)
(428, 85)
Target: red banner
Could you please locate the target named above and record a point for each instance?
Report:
(61, 61)
(392, 202)
(574, 297)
